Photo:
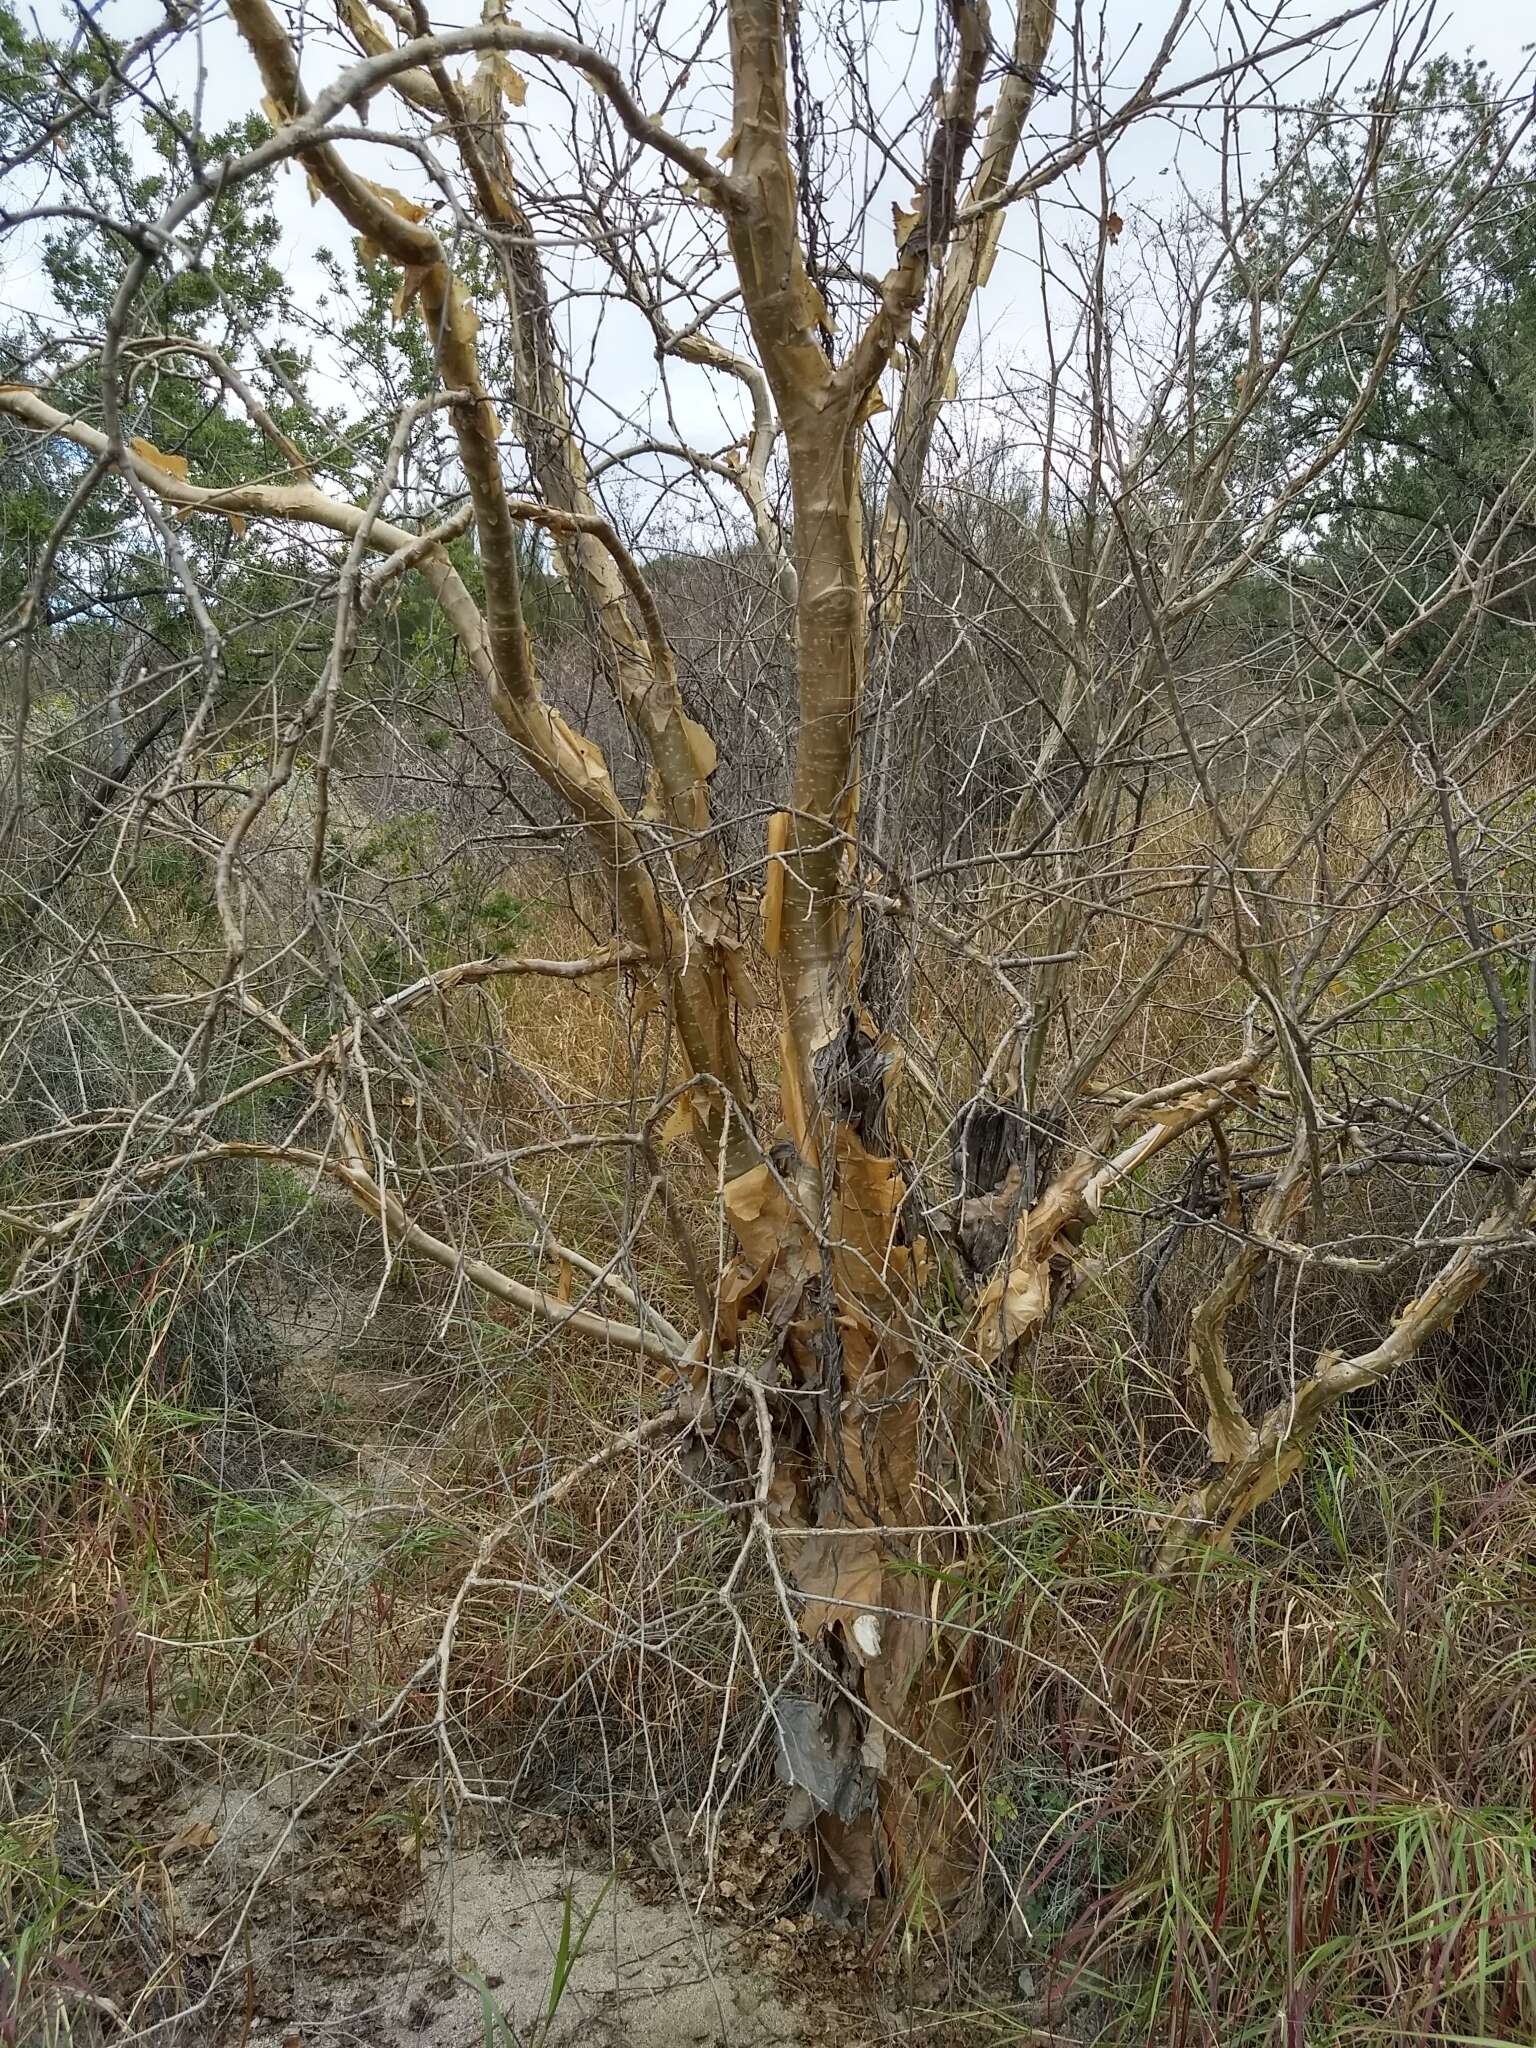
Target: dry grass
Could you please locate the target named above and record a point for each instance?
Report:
(1292, 1802)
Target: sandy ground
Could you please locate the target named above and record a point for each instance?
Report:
(494, 1946)
(262, 1917)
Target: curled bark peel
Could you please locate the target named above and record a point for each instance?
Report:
(1040, 1266)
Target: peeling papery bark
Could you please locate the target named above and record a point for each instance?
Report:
(852, 1458)
(826, 1261)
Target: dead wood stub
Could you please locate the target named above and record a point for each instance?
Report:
(852, 1073)
(1000, 1157)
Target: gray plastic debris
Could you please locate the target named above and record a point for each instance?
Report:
(819, 1758)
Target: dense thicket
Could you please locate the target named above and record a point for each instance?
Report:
(955, 972)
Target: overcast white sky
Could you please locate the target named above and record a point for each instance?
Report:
(1149, 165)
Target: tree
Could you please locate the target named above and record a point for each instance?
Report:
(1445, 432)
(894, 1246)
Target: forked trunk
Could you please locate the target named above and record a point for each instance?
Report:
(819, 1306)
(853, 1433)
